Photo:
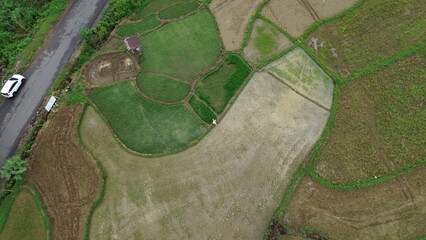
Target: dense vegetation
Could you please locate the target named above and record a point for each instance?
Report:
(220, 85)
(17, 21)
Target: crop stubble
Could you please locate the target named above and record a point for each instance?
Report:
(232, 17)
(395, 209)
(225, 187)
(294, 16)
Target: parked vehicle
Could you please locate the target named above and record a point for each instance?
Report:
(12, 85)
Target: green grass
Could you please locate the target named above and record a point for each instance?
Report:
(373, 32)
(178, 10)
(142, 125)
(379, 124)
(155, 6)
(25, 220)
(202, 110)
(218, 87)
(265, 41)
(163, 89)
(182, 49)
(131, 29)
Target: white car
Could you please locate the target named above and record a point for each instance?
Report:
(12, 85)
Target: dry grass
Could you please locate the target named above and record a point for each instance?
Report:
(391, 210)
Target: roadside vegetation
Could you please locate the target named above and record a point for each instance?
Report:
(23, 28)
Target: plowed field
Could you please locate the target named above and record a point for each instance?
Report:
(65, 176)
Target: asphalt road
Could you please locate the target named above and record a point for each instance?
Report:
(17, 112)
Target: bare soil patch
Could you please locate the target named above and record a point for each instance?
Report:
(395, 209)
(225, 187)
(65, 176)
(232, 17)
(111, 68)
(265, 42)
(294, 16)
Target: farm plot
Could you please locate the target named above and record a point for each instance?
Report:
(391, 210)
(155, 6)
(182, 49)
(137, 28)
(220, 85)
(25, 220)
(111, 68)
(300, 72)
(178, 10)
(265, 42)
(294, 16)
(232, 18)
(373, 32)
(65, 176)
(225, 187)
(379, 125)
(163, 89)
(145, 126)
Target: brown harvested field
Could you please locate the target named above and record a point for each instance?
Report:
(225, 187)
(395, 209)
(265, 42)
(111, 68)
(294, 16)
(379, 124)
(65, 176)
(232, 17)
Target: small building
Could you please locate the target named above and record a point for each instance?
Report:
(133, 44)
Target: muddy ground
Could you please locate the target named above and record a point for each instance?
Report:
(111, 68)
(232, 17)
(395, 209)
(225, 187)
(65, 176)
(294, 16)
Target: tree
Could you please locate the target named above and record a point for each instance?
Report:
(13, 168)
